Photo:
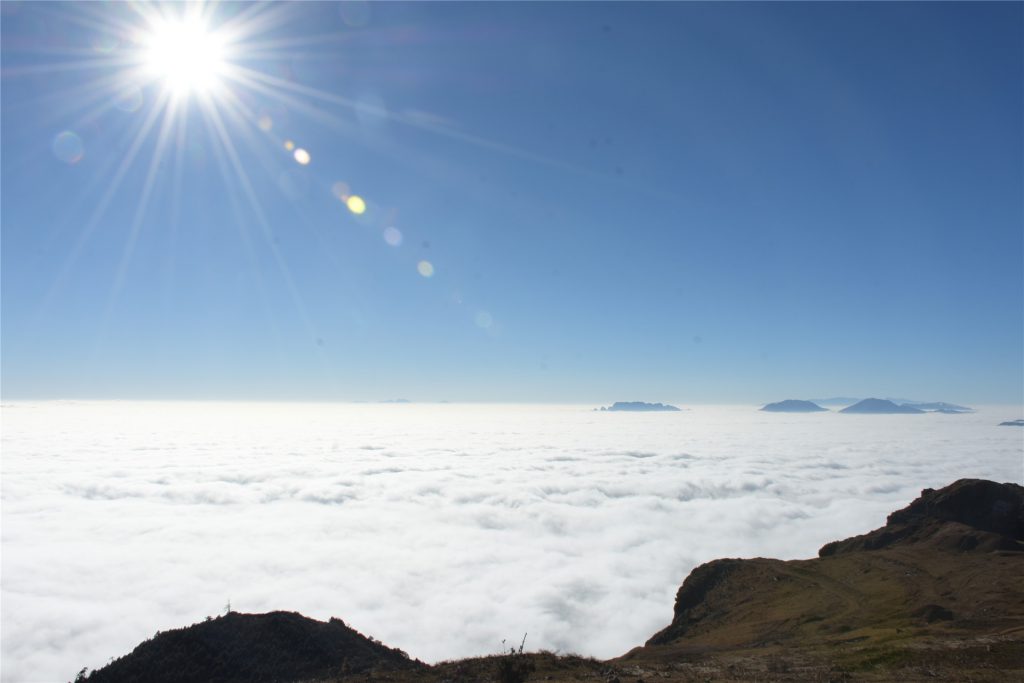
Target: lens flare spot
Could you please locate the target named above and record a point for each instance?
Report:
(289, 145)
(301, 156)
(128, 100)
(393, 236)
(265, 123)
(68, 147)
(425, 268)
(483, 320)
(356, 204)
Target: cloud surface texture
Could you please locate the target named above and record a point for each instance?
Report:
(439, 529)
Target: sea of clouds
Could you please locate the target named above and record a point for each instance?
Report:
(439, 529)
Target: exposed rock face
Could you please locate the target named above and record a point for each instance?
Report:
(692, 599)
(794, 406)
(1012, 423)
(640, 406)
(274, 647)
(879, 406)
(968, 514)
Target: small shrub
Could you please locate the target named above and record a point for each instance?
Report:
(514, 667)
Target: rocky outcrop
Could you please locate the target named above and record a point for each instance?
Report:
(692, 600)
(969, 514)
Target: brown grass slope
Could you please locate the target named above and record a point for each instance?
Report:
(939, 588)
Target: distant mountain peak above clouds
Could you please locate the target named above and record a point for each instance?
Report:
(639, 407)
(924, 406)
(879, 406)
(936, 406)
(791, 405)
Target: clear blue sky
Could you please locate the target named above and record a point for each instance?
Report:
(690, 202)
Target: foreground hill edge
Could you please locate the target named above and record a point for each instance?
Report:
(936, 592)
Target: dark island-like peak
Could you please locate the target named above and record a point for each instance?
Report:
(639, 407)
(1012, 423)
(937, 407)
(879, 406)
(791, 405)
(276, 647)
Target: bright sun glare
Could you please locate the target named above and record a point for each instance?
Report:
(185, 55)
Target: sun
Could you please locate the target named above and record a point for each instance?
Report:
(185, 55)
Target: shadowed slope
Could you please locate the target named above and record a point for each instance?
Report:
(277, 646)
(968, 514)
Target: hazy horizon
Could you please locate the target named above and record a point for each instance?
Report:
(605, 398)
(583, 405)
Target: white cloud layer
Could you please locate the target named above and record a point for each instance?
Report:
(438, 529)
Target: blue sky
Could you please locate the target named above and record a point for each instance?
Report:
(688, 202)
